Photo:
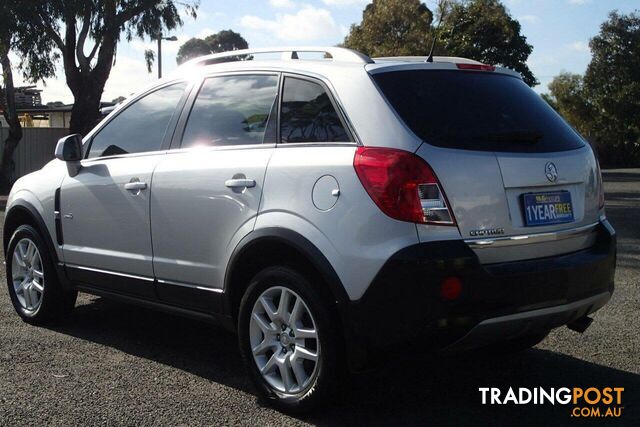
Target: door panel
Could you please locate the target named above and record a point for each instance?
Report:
(198, 212)
(106, 226)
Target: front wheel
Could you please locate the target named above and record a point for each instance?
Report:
(35, 291)
(289, 340)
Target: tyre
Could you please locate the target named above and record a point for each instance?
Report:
(289, 340)
(35, 291)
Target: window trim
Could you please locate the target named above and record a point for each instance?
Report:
(178, 135)
(171, 125)
(346, 124)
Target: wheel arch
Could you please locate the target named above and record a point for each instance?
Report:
(24, 213)
(269, 246)
(20, 213)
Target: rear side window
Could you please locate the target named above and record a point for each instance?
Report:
(231, 110)
(476, 111)
(307, 114)
(141, 126)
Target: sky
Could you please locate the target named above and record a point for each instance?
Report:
(558, 30)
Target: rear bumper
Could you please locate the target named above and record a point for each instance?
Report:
(404, 303)
(514, 325)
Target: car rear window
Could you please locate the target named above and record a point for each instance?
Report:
(476, 111)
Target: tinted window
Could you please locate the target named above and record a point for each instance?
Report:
(141, 127)
(308, 115)
(476, 111)
(231, 111)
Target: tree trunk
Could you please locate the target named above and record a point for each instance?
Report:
(7, 165)
(85, 113)
(87, 87)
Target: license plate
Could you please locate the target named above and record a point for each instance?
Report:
(547, 208)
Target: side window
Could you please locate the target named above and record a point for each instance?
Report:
(308, 114)
(231, 110)
(141, 126)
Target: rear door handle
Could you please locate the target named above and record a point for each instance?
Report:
(240, 183)
(135, 186)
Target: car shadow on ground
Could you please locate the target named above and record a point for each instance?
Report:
(419, 389)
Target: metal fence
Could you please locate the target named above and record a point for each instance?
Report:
(35, 149)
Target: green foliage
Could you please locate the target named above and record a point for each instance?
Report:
(613, 83)
(392, 28)
(476, 29)
(569, 97)
(192, 48)
(604, 104)
(85, 34)
(483, 30)
(149, 58)
(223, 41)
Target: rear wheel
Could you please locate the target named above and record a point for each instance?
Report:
(33, 285)
(288, 339)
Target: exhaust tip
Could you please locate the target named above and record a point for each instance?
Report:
(581, 324)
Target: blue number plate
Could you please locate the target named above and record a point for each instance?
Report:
(547, 208)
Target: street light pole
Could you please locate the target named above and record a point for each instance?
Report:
(160, 38)
(159, 57)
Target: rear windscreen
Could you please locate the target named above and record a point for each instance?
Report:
(476, 111)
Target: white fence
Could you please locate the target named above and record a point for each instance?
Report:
(35, 149)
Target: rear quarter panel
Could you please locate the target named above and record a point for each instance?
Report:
(354, 235)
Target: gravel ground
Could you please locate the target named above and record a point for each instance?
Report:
(113, 364)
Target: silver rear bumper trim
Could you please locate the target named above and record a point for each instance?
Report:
(515, 325)
(525, 239)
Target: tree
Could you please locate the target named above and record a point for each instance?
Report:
(392, 28)
(483, 30)
(73, 24)
(223, 41)
(613, 81)
(118, 100)
(192, 48)
(569, 97)
(16, 32)
(476, 29)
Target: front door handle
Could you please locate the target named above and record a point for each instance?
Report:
(135, 186)
(240, 183)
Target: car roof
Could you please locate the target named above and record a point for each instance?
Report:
(318, 60)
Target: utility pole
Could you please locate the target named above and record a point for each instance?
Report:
(160, 38)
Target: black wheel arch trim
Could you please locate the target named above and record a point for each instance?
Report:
(297, 242)
(22, 205)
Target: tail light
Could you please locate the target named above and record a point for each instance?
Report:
(600, 185)
(402, 185)
(476, 67)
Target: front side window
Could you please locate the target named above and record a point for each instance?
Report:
(141, 127)
(308, 114)
(231, 110)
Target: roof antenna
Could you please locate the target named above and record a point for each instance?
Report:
(441, 6)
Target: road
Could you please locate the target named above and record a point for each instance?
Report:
(113, 364)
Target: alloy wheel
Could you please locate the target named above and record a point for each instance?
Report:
(284, 340)
(27, 275)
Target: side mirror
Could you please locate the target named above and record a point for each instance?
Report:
(69, 148)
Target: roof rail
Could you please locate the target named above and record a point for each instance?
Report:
(288, 53)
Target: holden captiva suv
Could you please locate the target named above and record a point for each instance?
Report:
(325, 206)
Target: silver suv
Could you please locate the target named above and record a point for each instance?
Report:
(326, 206)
